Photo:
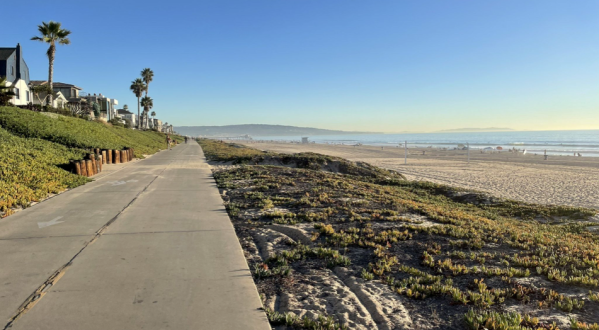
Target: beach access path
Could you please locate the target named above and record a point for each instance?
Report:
(148, 245)
(561, 180)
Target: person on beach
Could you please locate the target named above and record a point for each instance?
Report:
(168, 141)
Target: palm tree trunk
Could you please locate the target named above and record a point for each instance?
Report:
(51, 53)
(138, 115)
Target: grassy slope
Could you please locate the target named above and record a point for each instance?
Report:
(470, 242)
(33, 146)
(79, 133)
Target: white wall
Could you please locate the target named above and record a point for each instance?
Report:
(23, 90)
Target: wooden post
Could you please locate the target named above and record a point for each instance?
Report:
(95, 164)
(90, 170)
(83, 167)
(94, 170)
(117, 156)
(75, 167)
(124, 156)
(100, 163)
(132, 153)
(103, 156)
(109, 154)
(89, 165)
(97, 151)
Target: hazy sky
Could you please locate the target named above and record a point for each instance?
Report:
(342, 64)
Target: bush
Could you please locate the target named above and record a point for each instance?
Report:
(116, 122)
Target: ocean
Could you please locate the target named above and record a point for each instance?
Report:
(585, 142)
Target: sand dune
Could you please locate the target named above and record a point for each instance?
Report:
(564, 180)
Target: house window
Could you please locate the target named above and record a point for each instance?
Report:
(18, 93)
(27, 94)
(12, 70)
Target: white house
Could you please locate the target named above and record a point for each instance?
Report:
(41, 98)
(127, 115)
(14, 68)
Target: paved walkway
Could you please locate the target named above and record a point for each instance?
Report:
(149, 246)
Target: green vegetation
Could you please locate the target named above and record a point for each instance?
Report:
(421, 241)
(29, 170)
(294, 321)
(227, 152)
(6, 93)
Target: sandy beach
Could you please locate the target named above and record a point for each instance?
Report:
(563, 180)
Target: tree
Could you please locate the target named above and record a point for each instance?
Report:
(52, 33)
(40, 90)
(97, 109)
(147, 74)
(138, 87)
(6, 92)
(45, 91)
(147, 103)
(153, 115)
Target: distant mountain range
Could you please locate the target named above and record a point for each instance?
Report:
(257, 130)
(488, 129)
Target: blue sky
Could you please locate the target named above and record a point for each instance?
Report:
(384, 66)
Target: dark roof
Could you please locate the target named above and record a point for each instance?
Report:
(124, 112)
(37, 82)
(6, 52)
(54, 85)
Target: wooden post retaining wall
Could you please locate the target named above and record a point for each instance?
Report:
(94, 161)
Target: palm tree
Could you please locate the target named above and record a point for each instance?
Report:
(147, 103)
(153, 115)
(147, 74)
(6, 93)
(51, 33)
(138, 87)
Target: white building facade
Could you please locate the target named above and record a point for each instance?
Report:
(14, 68)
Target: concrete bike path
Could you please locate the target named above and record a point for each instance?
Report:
(149, 246)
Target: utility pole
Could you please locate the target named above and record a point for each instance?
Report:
(468, 147)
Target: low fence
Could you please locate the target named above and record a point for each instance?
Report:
(94, 162)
